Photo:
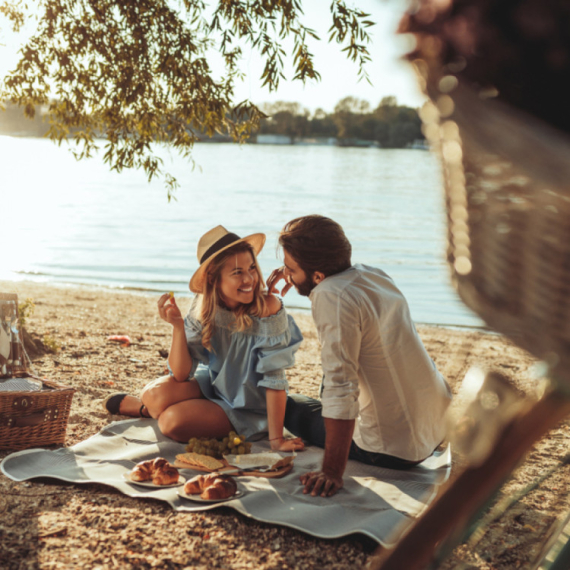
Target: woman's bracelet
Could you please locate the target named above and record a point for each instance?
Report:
(280, 437)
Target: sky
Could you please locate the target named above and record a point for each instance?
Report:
(388, 72)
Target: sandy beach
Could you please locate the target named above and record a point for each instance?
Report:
(55, 525)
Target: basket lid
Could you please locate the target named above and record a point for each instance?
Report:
(21, 384)
(12, 360)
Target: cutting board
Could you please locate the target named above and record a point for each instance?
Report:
(281, 472)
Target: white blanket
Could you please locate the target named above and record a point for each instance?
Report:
(380, 503)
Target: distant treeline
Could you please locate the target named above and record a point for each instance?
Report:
(13, 122)
(353, 122)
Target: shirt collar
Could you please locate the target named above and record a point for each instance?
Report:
(329, 278)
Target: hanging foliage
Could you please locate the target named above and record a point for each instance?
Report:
(127, 74)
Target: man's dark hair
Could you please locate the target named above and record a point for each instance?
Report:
(316, 243)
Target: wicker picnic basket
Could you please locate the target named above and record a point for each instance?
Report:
(33, 411)
(507, 179)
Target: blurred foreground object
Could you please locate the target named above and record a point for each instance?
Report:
(496, 74)
(489, 404)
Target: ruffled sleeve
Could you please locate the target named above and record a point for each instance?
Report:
(193, 329)
(278, 351)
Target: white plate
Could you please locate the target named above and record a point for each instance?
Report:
(199, 499)
(127, 477)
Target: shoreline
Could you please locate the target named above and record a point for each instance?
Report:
(80, 319)
(155, 293)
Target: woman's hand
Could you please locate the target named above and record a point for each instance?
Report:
(274, 278)
(169, 311)
(287, 444)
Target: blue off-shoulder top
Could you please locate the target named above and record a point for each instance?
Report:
(242, 364)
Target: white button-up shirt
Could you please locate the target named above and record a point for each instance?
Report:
(376, 368)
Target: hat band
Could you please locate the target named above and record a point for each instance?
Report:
(228, 239)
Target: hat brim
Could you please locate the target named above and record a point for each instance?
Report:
(257, 241)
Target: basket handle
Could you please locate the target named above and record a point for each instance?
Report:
(29, 420)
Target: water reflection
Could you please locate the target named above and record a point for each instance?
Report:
(78, 222)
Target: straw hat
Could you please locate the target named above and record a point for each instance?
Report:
(214, 242)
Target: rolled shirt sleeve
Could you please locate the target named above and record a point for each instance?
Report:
(338, 326)
(277, 355)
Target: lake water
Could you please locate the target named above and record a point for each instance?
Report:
(73, 222)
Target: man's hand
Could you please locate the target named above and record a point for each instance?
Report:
(274, 278)
(328, 480)
(318, 482)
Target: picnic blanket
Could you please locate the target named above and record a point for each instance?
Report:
(379, 503)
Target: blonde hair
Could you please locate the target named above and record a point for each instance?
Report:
(211, 299)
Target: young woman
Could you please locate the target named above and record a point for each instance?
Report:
(228, 356)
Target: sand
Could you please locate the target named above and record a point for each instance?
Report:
(54, 525)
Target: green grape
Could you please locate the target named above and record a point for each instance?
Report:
(232, 443)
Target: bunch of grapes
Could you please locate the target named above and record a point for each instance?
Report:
(231, 444)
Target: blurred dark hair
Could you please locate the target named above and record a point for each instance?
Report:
(316, 243)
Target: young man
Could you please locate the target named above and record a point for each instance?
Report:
(382, 398)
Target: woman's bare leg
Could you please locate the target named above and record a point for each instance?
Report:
(166, 391)
(194, 418)
(159, 395)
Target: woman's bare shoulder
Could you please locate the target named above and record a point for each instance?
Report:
(272, 305)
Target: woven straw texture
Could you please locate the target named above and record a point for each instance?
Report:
(32, 418)
(507, 180)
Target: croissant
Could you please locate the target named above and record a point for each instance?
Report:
(158, 470)
(196, 485)
(141, 471)
(165, 476)
(220, 489)
(212, 486)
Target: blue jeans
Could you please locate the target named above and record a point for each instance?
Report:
(304, 418)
